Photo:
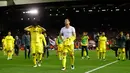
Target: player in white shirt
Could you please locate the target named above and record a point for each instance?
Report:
(69, 34)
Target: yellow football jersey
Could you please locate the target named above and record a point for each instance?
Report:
(9, 40)
(35, 34)
(102, 41)
(69, 41)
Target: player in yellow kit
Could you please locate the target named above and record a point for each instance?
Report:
(3, 45)
(102, 46)
(9, 40)
(68, 47)
(59, 43)
(41, 49)
(69, 35)
(35, 31)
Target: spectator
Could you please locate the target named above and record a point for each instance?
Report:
(17, 45)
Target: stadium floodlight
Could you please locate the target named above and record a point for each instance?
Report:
(90, 10)
(103, 10)
(33, 11)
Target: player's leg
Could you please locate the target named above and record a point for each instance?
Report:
(29, 50)
(119, 53)
(72, 58)
(123, 54)
(101, 53)
(58, 51)
(4, 50)
(104, 53)
(8, 54)
(12, 52)
(64, 55)
(97, 49)
(126, 52)
(47, 51)
(40, 52)
(15, 49)
(116, 52)
(25, 52)
(86, 49)
(33, 51)
(82, 52)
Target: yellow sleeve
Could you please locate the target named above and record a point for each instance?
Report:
(28, 28)
(57, 41)
(44, 40)
(99, 39)
(41, 28)
(106, 39)
(5, 41)
(2, 40)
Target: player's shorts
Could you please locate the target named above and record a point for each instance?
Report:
(69, 48)
(102, 49)
(60, 47)
(9, 48)
(36, 48)
(121, 49)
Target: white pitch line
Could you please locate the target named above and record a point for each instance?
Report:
(101, 67)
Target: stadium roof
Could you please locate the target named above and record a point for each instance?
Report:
(20, 2)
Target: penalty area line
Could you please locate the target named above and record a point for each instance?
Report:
(101, 67)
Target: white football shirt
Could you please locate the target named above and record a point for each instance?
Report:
(67, 32)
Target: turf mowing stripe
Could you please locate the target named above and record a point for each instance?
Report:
(101, 67)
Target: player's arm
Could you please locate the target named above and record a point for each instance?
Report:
(73, 32)
(2, 42)
(6, 41)
(42, 29)
(57, 41)
(44, 40)
(61, 34)
(106, 41)
(99, 42)
(28, 28)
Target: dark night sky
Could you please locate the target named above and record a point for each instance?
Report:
(11, 18)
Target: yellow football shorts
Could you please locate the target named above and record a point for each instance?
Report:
(36, 48)
(102, 49)
(69, 48)
(121, 49)
(60, 47)
(9, 48)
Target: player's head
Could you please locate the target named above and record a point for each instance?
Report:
(127, 35)
(9, 33)
(103, 33)
(121, 33)
(17, 37)
(85, 33)
(67, 22)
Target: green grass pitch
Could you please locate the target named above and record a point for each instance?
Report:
(53, 65)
